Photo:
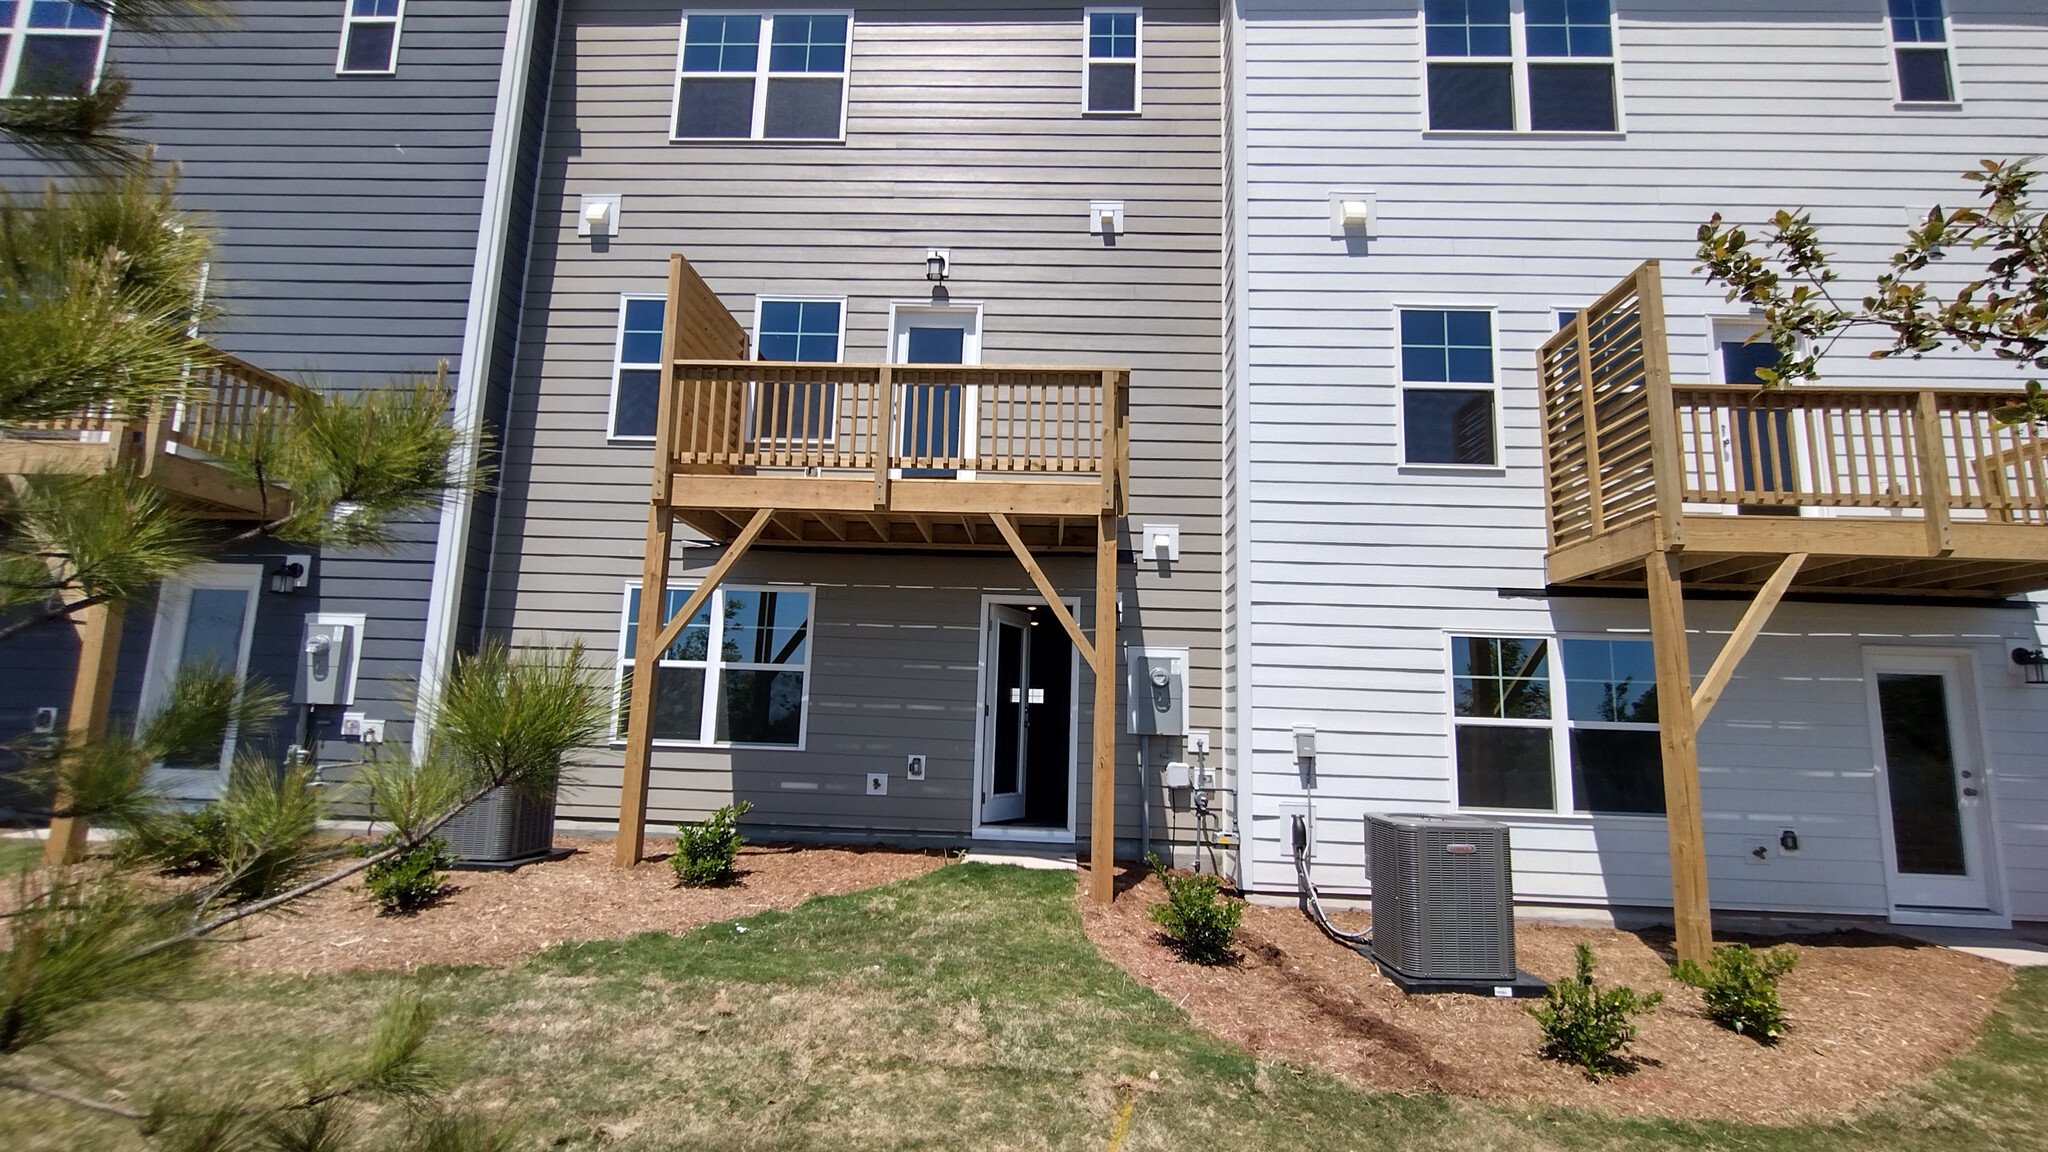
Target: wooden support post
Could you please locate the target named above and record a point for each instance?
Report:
(1102, 822)
(1045, 589)
(1753, 620)
(885, 436)
(1678, 734)
(92, 695)
(1934, 481)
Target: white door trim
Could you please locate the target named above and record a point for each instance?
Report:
(970, 314)
(1968, 737)
(166, 642)
(982, 734)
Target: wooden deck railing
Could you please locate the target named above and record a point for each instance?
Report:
(749, 414)
(223, 402)
(1626, 445)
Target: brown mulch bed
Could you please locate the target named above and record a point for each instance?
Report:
(1867, 1014)
(499, 918)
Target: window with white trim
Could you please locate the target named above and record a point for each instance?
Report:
(50, 47)
(751, 76)
(636, 368)
(804, 331)
(1113, 79)
(369, 37)
(1514, 751)
(737, 674)
(1558, 55)
(1442, 423)
(1920, 51)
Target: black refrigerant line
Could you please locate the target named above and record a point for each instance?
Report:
(1309, 903)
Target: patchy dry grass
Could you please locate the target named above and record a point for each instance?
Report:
(962, 1009)
(19, 855)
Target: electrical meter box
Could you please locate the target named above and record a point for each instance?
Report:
(326, 658)
(1158, 691)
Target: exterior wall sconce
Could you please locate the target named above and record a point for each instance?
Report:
(2034, 661)
(936, 261)
(290, 574)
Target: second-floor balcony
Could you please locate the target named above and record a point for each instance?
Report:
(1888, 490)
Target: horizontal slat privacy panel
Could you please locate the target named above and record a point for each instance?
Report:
(1597, 416)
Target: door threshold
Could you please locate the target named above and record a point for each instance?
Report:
(1920, 917)
(1024, 835)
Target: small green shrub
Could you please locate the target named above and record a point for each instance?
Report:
(1586, 1026)
(181, 842)
(1740, 987)
(705, 852)
(411, 880)
(1199, 926)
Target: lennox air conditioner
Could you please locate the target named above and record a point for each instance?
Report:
(1442, 900)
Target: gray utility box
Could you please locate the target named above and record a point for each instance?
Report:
(1158, 691)
(1442, 897)
(503, 825)
(326, 656)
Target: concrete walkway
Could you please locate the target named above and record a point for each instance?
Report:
(1048, 860)
(2023, 947)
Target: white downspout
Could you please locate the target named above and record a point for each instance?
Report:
(478, 329)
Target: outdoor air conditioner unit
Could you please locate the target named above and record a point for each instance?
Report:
(1442, 899)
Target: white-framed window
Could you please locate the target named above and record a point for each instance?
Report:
(1920, 51)
(755, 76)
(1514, 750)
(802, 329)
(737, 675)
(50, 47)
(1532, 66)
(1113, 68)
(369, 37)
(206, 614)
(1447, 387)
(636, 367)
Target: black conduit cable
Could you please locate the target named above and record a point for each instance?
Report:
(1309, 903)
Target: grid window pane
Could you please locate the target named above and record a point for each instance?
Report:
(1471, 98)
(1113, 36)
(721, 43)
(808, 44)
(638, 407)
(641, 342)
(715, 109)
(693, 642)
(1446, 347)
(1467, 27)
(1504, 767)
(760, 706)
(8, 11)
(1112, 87)
(766, 627)
(1447, 426)
(373, 8)
(1923, 76)
(63, 14)
(1571, 98)
(56, 65)
(805, 330)
(1503, 678)
(1618, 771)
(369, 47)
(1917, 22)
(803, 109)
(1610, 681)
(1568, 28)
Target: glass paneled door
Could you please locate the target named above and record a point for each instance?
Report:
(205, 616)
(937, 419)
(1931, 783)
(1006, 687)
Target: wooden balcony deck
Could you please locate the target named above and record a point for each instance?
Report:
(1886, 490)
(176, 446)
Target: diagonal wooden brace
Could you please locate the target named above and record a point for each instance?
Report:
(1745, 634)
(709, 584)
(1045, 589)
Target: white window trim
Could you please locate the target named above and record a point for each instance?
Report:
(1138, 79)
(1402, 384)
(1518, 60)
(17, 34)
(708, 718)
(838, 349)
(611, 415)
(761, 76)
(167, 636)
(1891, 57)
(349, 20)
(1564, 799)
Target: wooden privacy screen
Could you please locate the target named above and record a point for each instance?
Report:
(1599, 436)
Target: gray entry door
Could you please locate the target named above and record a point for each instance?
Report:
(1006, 696)
(1933, 785)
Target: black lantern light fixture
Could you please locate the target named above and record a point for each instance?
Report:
(935, 262)
(2034, 661)
(286, 576)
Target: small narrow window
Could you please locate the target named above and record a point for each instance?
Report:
(369, 36)
(805, 331)
(1471, 75)
(1500, 701)
(1112, 82)
(1578, 95)
(50, 47)
(1611, 707)
(776, 77)
(636, 368)
(1448, 424)
(1920, 49)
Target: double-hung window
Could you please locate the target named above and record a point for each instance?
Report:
(1114, 76)
(50, 47)
(1920, 51)
(369, 37)
(1515, 751)
(803, 331)
(762, 77)
(636, 368)
(1442, 422)
(1560, 80)
(736, 674)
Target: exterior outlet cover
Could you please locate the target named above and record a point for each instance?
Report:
(878, 783)
(1105, 217)
(597, 214)
(1198, 743)
(1354, 215)
(916, 769)
(352, 724)
(1289, 809)
(46, 721)
(373, 731)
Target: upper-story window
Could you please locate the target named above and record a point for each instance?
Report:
(1115, 65)
(1447, 385)
(1547, 67)
(804, 330)
(762, 77)
(50, 47)
(636, 368)
(369, 36)
(1920, 50)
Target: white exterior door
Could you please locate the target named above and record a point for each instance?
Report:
(1931, 783)
(206, 614)
(1006, 691)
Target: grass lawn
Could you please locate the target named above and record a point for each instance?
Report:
(19, 855)
(960, 1010)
